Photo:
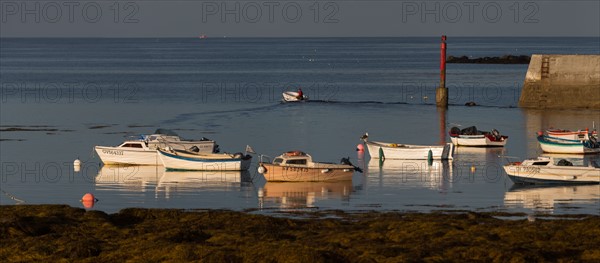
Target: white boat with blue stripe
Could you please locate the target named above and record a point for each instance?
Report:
(558, 145)
(185, 160)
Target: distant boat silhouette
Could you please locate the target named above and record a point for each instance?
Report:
(203, 36)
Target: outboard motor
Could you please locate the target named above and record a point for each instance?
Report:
(194, 149)
(346, 161)
(594, 141)
(496, 134)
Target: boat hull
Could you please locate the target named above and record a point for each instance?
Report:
(557, 145)
(173, 161)
(277, 173)
(119, 155)
(532, 174)
(291, 96)
(410, 152)
(477, 141)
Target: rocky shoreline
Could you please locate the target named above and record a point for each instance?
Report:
(507, 59)
(63, 233)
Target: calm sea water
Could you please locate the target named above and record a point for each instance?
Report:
(72, 94)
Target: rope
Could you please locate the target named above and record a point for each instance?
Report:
(12, 197)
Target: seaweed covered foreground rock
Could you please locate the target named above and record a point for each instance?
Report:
(54, 233)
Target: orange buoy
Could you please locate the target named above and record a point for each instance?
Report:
(360, 148)
(88, 200)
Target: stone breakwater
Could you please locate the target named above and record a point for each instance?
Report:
(508, 59)
(63, 233)
(562, 82)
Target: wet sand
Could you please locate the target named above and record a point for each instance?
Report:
(58, 232)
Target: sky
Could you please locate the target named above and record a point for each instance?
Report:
(298, 18)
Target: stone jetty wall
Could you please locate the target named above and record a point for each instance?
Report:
(562, 82)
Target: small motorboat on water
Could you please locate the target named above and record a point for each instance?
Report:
(558, 145)
(297, 166)
(408, 151)
(184, 160)
(472, 137)
(544, 170)
(142, 150)
(292, 96)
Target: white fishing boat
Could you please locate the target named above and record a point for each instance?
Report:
(134, 152)
(475, 138)
(292, 96)
(142, 150)
(388, 150)
(185, 160)
(297, 166)
(572, 135)
(558, 145)
(544, 170)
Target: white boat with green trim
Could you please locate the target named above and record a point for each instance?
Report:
(183, 160)
(388, 150)
(558, 145)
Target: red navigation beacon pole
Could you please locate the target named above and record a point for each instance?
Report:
(441, 94)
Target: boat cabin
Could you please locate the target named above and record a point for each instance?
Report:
(293, 158)
(141, 145)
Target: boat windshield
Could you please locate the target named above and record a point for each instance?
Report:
(277, 161)
(132, 145)
(541, 163)
(296, 161)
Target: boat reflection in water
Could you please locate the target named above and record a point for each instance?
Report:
(137, 180)
(186, 181)
(479, 155)
(410, 173)
(128, 177)
(302, 194)
(547, 198)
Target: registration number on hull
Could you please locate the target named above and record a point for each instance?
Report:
(295, 169)
(112, 152)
